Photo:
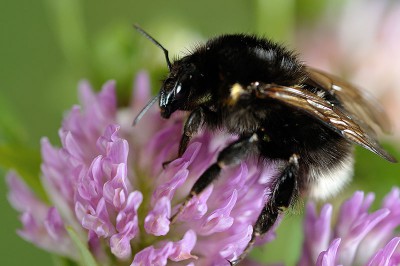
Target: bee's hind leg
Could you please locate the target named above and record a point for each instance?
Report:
(283, 195)
(230, 156)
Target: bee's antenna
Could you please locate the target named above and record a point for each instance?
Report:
(145, 109)
(142, 31)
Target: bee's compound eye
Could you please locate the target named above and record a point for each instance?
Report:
(178, 88)
(179, 91)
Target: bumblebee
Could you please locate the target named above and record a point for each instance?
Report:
(281, 109)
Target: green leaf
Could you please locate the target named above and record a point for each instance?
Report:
(68, 21)
(289, 237)
(15, 153)
(373, 173)
(11, 129)
(276, 19)
(87, 258)
(312, 11)
(26, 162)
(61, 261)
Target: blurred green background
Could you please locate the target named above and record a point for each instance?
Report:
(47, 46)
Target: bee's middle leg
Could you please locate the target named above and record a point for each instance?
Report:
(230, 156)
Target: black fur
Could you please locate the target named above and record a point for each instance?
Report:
(203, 83)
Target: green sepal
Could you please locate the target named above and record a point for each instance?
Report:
(87, 258)
(62, 261)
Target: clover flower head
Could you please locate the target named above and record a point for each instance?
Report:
(106, 185)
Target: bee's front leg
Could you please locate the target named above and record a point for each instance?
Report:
(191, 127)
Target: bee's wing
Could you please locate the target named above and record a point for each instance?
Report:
(333, 116)
(362, 106)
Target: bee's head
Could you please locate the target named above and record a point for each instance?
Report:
(179, 88)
